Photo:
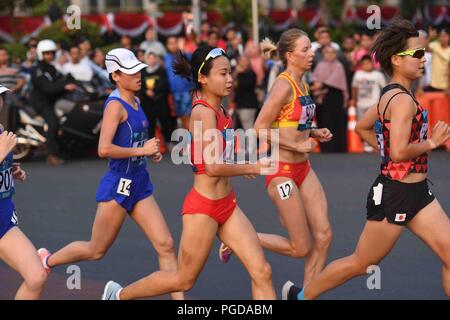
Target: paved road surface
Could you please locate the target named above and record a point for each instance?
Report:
(57, 205)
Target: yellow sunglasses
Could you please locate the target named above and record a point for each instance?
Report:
(415, 53)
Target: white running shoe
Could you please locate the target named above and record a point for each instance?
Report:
(111, 291)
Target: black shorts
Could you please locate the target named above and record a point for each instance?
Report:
(397, 201)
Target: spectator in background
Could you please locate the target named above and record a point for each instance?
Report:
(101, 76)
(331, 95)
(127, 43)
(245, 93)
(366, 89)
(154, 97)
(364, 49)
(252, 52)
(214, 39)
(79, 69)
(424, 82)
(190, 43)
(323, 38)
(48, 86)
(140, 55)
(204, 32)
(179, 86)
(349, 47)
(233, 50)
(9, 76)
(152, 44)
(85, 48)
(440, 62)
(30, 60)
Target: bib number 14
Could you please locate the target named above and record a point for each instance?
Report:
(124, 187)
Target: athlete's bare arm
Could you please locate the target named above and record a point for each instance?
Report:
(214, 165)
(401, 111)
(114, 115)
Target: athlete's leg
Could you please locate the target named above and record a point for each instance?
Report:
(108, 221)
(432, 225)
(293, 218)
(20, 254)
(375, 242)
(197, 238)
(148, 216)
(238, 233)
(315, 203)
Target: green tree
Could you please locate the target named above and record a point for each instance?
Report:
(408, 8)
(58, 31)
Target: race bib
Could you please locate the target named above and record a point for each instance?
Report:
(377, 194)
(124, 187)
(424, 129)
(228, 155)
(6, 183)
(139, 139)
(380, 137)
(285, 190)
(308, 111)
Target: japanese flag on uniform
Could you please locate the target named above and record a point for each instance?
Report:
(400, 217)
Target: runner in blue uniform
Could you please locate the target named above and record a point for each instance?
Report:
(16, 250)
(126, 186)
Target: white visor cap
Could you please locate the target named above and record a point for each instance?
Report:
(123, 60)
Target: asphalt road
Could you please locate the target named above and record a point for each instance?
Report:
(57, 206)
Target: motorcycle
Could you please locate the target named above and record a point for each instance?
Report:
(79, 114)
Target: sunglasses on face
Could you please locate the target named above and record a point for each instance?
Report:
(214, 53)
(415, 53)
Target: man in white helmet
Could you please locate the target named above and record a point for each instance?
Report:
(48, 86)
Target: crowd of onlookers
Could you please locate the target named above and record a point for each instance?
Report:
(343, 74)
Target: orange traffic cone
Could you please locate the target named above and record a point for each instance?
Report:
(354, 143)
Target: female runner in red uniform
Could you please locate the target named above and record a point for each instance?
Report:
(210, 208)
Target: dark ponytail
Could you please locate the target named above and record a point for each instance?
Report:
(181, 66)
(189, 70)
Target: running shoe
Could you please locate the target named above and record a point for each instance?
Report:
(44, 254)
(290, 291)
(111, 291)
(224, 253)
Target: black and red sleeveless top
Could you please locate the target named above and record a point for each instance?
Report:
(225, 126)
(419, 131)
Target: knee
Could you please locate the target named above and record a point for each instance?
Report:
(358, 266)
(36, 279)
(96, 252)
(323, 238)
(261, 273)
(301, 251)
(444, 254)
(186, 283)
(165, 246)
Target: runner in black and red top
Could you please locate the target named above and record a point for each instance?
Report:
(400, 195)
(210, 208)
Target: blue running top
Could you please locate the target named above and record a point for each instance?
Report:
(130, 134)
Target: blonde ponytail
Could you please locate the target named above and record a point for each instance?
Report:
(268, 49)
